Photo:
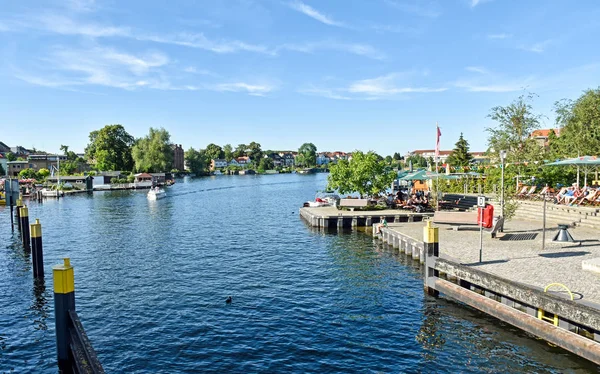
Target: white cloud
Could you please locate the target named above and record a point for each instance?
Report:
(299, 6)
(194, 70)
(354, 48)
(324, 92)
(252, 89)
(429, 9)
(202, 42)
(474, 3)
(387, 85)
(499, 36)
(537, 47)
(477, 69)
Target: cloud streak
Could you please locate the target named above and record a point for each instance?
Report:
(305, 9)
(499, 36)
(428, 9)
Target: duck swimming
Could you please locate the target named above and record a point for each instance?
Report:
(229, 300)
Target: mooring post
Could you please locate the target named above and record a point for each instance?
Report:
(24, 213)
(432, 252)
(18, 213)
(37, 254)
(64, 300)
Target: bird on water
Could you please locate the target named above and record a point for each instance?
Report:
(229, 300)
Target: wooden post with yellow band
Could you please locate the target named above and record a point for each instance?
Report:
(431, 252)
(24, 212)
(18, 213)
(37, 253)
(64, 300)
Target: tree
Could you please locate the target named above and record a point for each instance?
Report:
(196, 162)
(460, 155)
(266, 163)
(214, 151)
(110, 148)
(11, 156)
(580, 126)
(43, 173)
(397, 156)
(2, 171)
(365, 174)
(417, 161)
(27, 174)
(228, 152)
(255, 152)
(309, 154)
(153, 153)
(388, 160)
(516, 122)
(240, 150)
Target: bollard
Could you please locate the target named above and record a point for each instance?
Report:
(64, 301)
(37, 253)
(18, 213)
(431, 252)
(24, 213)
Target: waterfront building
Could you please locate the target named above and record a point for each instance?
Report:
(44, 161)
(218, 163)
(277, 159)
(541, 136)
(15, 167)
(242, 161)
(178, 157)
(288, 159)
(323, 158)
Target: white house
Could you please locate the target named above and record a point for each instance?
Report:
(243, 160)
(234, 162)
(218, 163)
(323, 159)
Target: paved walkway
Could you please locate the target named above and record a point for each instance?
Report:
(523, 260)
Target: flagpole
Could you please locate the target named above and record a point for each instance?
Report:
(437, 171)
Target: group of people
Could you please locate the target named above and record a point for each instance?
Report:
(577, 196)
(417, 201)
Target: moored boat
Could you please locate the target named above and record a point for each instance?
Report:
(52, 193)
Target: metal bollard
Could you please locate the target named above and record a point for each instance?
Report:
(431, 252)
(64, 300)
(17, 213)
(24, 213)
(37, 253)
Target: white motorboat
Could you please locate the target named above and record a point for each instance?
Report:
(156, 193)
(46, 192)
(323, 199)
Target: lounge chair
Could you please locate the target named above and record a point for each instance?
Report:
(530, 193)
(522, 192)
(542, 194)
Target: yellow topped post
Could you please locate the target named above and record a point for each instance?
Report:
(64, 277)
(430, 233)
(36, 229)
(24, 218)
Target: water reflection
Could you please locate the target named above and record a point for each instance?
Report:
(40, 304)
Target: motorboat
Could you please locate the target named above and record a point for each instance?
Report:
(323, 199)
(156, 193)
(46, 192)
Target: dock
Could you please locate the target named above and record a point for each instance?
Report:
(544, 292)
(329, 217)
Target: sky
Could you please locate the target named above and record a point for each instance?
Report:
(342, 74)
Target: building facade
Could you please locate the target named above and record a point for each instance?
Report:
(218, 163)
(178, 157)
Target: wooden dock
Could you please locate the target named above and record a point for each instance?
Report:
(330, 217)
(512, 282)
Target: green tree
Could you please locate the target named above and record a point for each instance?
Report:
(110, 148)
(228, 152)
(11, 156)
(27, 174)
(417, 161)
(214, 151)
(240, 150)
(196, 162)
(308, 151)
(365, 174)
(255, 152)
(43, 173)
(516, 122)
(397, 156)
(2, 171)
(580, 125)
(153, 153)
(388, 160)
(266, 163)
(460, 155)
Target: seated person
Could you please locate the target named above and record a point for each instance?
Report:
(382, 223)
(568, 195)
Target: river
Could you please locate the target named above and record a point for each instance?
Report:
(152, 278)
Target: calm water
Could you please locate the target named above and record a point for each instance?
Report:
(152, 277)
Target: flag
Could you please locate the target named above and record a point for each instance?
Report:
(437, 143)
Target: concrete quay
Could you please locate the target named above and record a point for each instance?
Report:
(510, 283)
(330, 217)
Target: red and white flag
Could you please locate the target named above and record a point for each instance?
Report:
(437, 143)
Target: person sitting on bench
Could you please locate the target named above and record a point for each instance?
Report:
(382, 224)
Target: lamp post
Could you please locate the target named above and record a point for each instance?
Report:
(502, 157)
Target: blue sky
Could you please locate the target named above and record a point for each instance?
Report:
(345, 75)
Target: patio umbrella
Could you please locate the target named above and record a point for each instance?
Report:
(585, 161)
(418, 175)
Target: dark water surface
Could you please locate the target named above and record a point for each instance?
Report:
(152, 278)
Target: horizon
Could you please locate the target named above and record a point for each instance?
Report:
(283, 73)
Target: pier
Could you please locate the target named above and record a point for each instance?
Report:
(544, 292)
(330, 217)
